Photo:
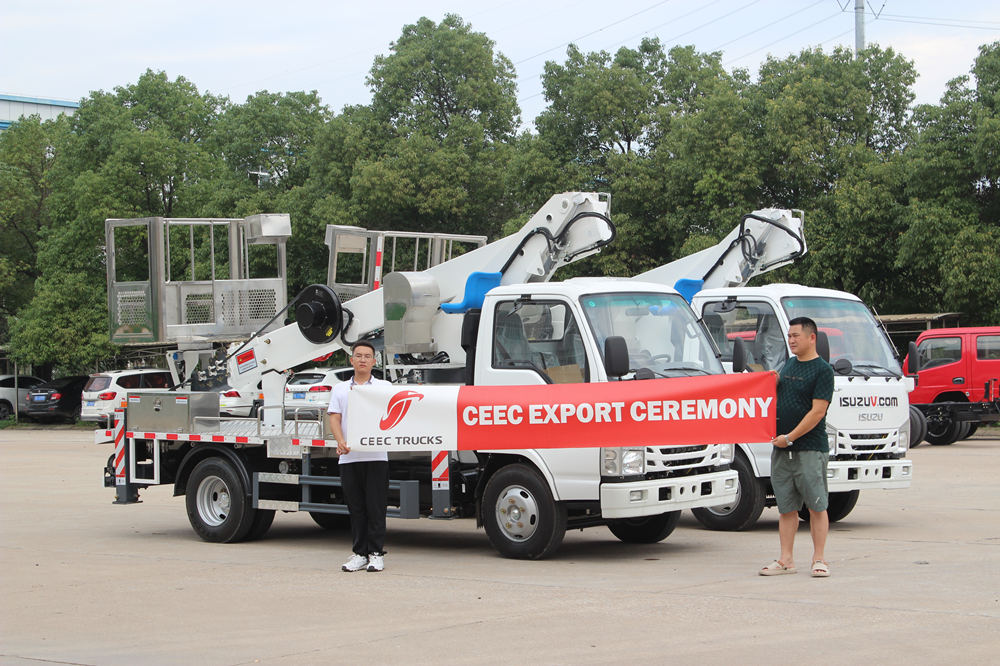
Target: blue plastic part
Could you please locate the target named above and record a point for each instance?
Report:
(687, 287)
(475, 291)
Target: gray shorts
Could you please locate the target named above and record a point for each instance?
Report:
(799, 478)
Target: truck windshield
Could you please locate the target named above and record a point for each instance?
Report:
(661, 331)
(852, 331)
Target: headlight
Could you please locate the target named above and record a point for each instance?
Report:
(904, 435)
(633, 461)
(831, 436)
(623, 461)
(726, 453)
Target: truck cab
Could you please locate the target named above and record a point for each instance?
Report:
(868, 422)
(958, 380)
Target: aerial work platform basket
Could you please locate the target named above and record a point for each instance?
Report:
(194, 280)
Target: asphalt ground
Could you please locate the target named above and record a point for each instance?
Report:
(915, 579)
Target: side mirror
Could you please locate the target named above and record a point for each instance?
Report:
(911, 358)
(739, 355)
(615, 356)
(823, 346)
(842, 366)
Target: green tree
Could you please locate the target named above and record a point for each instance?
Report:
(27, 155)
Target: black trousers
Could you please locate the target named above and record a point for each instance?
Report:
(366, 488)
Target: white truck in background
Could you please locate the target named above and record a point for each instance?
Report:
(869, 421)
(487, 317)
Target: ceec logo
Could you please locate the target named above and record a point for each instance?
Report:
(398, 405)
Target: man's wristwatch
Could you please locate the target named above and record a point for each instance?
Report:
(788, 441)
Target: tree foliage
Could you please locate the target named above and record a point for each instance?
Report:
(902, 203)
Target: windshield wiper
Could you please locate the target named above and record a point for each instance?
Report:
(874, 366)
(682, 368)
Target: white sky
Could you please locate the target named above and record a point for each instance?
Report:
(64, 49)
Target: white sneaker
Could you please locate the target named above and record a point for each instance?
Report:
(376, 562)
(356, 563)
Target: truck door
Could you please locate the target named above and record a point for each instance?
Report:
(536, 342)
(756, 323)
(986, 367)
(940, 368)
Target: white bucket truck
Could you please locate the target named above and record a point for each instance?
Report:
(487, 317)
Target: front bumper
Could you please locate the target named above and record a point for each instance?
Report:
(648, 498)
(868, 474)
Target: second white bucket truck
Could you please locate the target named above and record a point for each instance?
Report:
(868, 423)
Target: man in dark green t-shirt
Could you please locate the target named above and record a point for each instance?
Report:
(800, 454)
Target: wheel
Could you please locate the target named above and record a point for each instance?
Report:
(648, 529)
(216, 502)
(5, 410)
(973, 427)
(331, 521)
(942, 432)
(839, 505)
(521, 518)
(261, 524)
(75, 416)
(918, 427)
(964, 427)
(742, 513)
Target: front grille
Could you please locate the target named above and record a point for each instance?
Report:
(676, 458)
(869, 435)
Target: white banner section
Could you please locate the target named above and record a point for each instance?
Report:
(395, 418)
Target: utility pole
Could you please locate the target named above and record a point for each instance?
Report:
(859, 27)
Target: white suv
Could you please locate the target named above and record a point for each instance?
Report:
(107, 390)
(7, 397)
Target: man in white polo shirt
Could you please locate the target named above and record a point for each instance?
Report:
(364, 475)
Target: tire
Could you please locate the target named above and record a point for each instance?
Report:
(918, 427)
(744, 511)
(839, 505)
(973, 427)
(261, 524)
(964, 427)
(5, 410)
(521, 518)
(216, 501)
(334, 522)
(648, 529)
(942, 432)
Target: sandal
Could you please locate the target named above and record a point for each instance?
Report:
(820, 569)
(776, 568)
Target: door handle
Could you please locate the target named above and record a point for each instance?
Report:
(958, 380)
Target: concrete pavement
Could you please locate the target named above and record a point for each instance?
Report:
(916, 579)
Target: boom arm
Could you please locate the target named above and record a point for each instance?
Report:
(569, 227)
(764, 240)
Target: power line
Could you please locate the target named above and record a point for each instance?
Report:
(784, 38)
(943, 25)
(593, 32)
(767, 25)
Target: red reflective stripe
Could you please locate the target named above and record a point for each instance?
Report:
(242, 440)
(130, 435)
(171, 435)
(149, 435)
(195, 438)
(295, 442)
(319, 442)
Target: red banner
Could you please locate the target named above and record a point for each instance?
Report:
(656, 412)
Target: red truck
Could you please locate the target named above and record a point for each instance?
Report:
(958, 380)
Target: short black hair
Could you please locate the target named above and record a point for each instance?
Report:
(363, 343)
(807, 324)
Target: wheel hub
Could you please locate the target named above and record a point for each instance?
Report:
(517, 513)
(214, 501)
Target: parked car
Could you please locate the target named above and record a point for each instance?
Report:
(105, 390)
(308, 391)
(233, 402)
(958, 380)
(59, 398)
(8, 398)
